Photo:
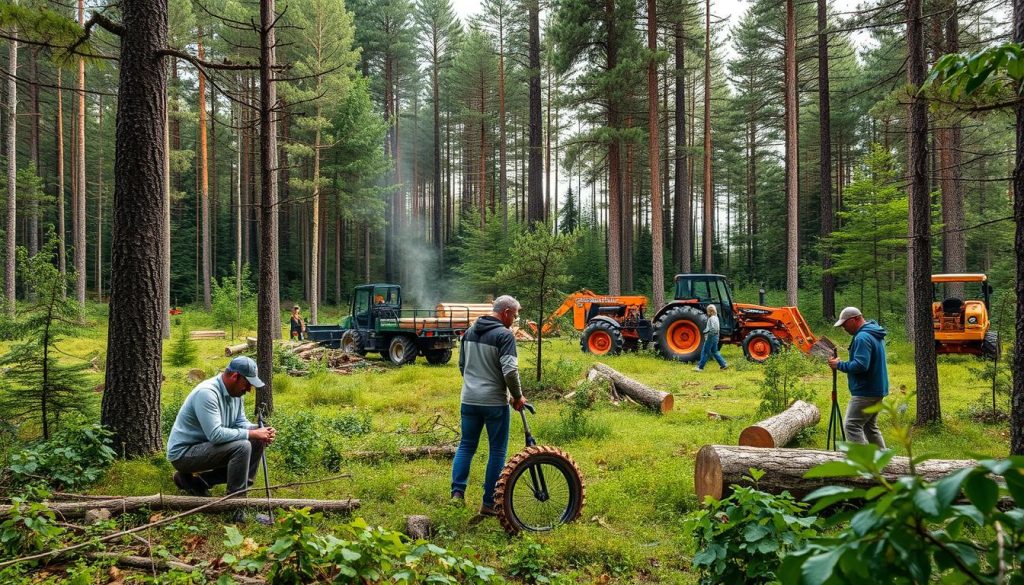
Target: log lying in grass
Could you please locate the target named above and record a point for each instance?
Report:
(235, 349)
(157, 564)
(251, 341)
(418, 452)
(119, 505)
(207, 335)
(781, 428)
(656, 400)
(720, 466)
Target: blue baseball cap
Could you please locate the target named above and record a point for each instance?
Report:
(247, 367)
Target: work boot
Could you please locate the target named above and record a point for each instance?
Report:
(192, 485)
(458, 499)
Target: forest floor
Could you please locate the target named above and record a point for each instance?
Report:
(638, 466)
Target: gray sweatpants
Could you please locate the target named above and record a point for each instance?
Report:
(860, 426)
(233, 463)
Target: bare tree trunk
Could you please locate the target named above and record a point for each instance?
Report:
(204, 178)
(79, 225)
(709, 195)
(954, 248)
(99, 203)
(62, 254)
(33, 204)
(12, 170)
(269, 327)
(928, 408)
(1017, 398)
(314, 264)
(502, 124)
(131, 396)
(654, 158)
(792, 163)
(828, 281)
(535, 168)
(165, 233)
(681, 204)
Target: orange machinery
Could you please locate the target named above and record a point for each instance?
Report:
(962, 323)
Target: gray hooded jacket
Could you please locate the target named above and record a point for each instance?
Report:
(489, 364)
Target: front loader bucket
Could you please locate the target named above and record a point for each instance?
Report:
(823, 348)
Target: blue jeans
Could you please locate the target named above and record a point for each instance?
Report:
(711, 350)
(474, 419)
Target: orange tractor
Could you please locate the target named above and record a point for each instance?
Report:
(611, 324)
(961, 323)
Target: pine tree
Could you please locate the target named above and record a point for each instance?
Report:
(568, 219)
(183, 351)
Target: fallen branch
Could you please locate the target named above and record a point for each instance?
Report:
(656, 400)
(162, 521)
(433, 451)
(123, 505)
(152, 564)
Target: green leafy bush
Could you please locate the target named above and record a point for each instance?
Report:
(183, 350)
(743, 537)
(233, 306)
(779, 388)
(530, 562)
(357, 554)
(27, 528)
(300, 440)
(75, 457)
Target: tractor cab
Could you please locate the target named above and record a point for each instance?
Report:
(960, 314)
(702, 290)
(372, 302)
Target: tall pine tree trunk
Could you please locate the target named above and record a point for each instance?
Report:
(535, 206)
(614, 225)
(954, 248)
(80, 213)
(131, 396)
(828, 281)
(928, 408)
(269, 326)
(681, 204)
(502, 123)
(204, 179)
(1017, 398)
(654, 158)
(99, 202)
(709, 195)
(12, 170)
(314, 264)
(165, 232)
(33, 203)
(792, 162)
(62, 254)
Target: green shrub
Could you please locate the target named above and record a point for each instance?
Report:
(27, 528)
(530, 562)
(575, 421)
(357, 553)
(558, 378)
(300, 440)
(742, 538)
(228, 307)
(779, 388)
(75, 457)
(183, 351)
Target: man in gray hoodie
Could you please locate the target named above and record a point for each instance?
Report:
(490, 382)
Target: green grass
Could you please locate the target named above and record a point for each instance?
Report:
(638, 470)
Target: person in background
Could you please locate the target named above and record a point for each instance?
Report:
(298, 324)
(866, 374)
(711, 333)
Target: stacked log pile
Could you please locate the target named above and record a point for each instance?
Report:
(207, 335)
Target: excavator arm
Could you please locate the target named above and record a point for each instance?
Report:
(567, 305)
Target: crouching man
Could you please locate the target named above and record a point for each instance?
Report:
(212, 442)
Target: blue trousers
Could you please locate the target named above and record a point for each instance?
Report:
(474, 419)
(709, 351)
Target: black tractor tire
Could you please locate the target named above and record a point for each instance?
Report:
(601, 338)
(402, 350)
(760, 344)
(352, 342)
(679, 334)
(992, 347)
(438, 357)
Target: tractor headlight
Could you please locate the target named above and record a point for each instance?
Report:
(972, 320)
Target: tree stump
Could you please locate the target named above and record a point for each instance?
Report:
(656, 400)
(418, 526)
(718, 467)
(781, 428)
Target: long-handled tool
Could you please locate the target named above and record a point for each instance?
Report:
(835, 419)
(263, 459)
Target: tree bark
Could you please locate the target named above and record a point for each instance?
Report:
(792, 163)
(656, 400)
(709, 195)
(131, 398)
(12, 170)
(204, 178)
(828, 281)
(681, 204)
(719, 467)
(80, 213)
(99, 202)
(1017, 398)
(314, 263)
(535, 205)
(33, 204)
(62, 255)
(269, 310)
(928, 407)
(654, 158)
(780, 429)
(954, 245)
(614, 224)
(165, 233)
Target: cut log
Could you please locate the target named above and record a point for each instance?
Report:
(655, 400)
(718, 467)
(156, 564)
(251, 341)
(781, 428)
(419, 452)
(207, 335)
(235, 349)
(120, 505)
(418, 526)
(466, 311)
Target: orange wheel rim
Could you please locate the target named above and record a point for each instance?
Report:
(683, 337)
(599, 342)
(760, 348)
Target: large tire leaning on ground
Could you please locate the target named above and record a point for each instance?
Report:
(438, 357)
(352, 342)
(760, 344)
(515, 479)
(402, 350)
(601, 338)
(991, 347)
(679, 334)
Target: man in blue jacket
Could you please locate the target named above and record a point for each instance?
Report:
(212, 441)
(866, 374)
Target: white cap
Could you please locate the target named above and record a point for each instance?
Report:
(846, 314)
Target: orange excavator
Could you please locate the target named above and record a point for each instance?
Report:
(610, 323)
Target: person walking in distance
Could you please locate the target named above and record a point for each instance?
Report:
(866, 374)
(297, 324)
(490, 382)
(710, 349)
